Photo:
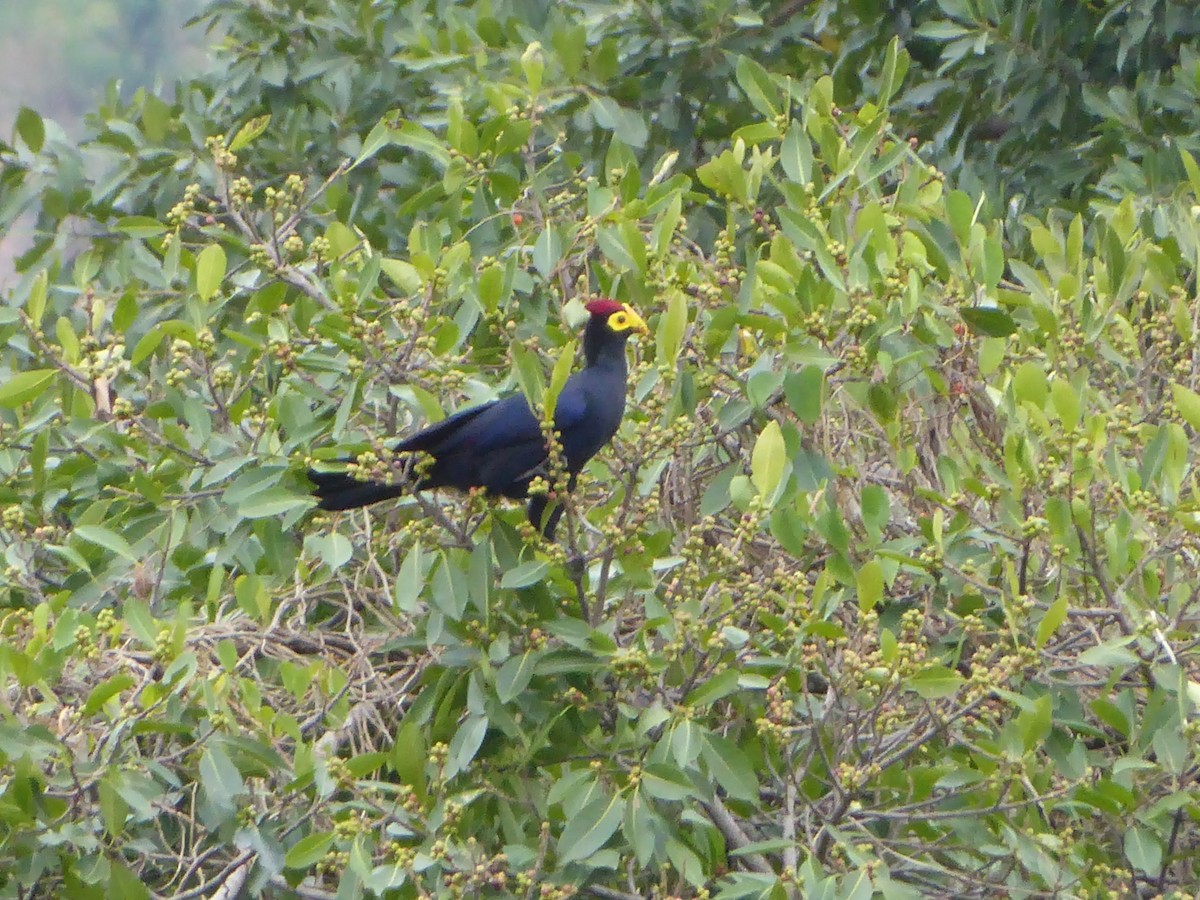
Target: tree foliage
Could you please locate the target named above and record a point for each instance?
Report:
(886, 584)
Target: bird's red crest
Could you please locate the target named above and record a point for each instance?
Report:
(604, 307)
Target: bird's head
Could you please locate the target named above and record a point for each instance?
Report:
(619, 318)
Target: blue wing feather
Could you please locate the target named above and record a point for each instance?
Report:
(428, 438)
(571, 409)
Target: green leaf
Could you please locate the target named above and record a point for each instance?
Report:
(687, 862)
(252, 596)
(1030, 384)
(640, 827)
(122, 882)
(527, 573)
(491, 287)
(989, 321)
(796, 155)
(671, 326)
(1187, 402)
(461, 134)
(465, 744)
(665, 782)
(146, 345)
(629, 126)
(480, 575)
(731, 767)
(685, 742)
(403, 274)
(807, 235)
(36, 304)
(761, 388)
(271, 503)
(934, 682)
(105, 691)
(1067, 403)
(156, 118)
(1144, 850)
(895, 65)
(558, 377)
(137, 618)
(961, 212)
(527, 366)
(334, 550)
(220, 779)
(514, 676)
(804, 391)
(308, 850)
(1193, 171)
(1113, 653)
(870, 585)
(126, 311)
(31, 128)
(210, 270)
(720, 685)
(1055, 615)
(251, 482)
(409, 755)
(570, 42)
(113, 808)
(756, 83)
(379, 137)
(876, 507)
(589, 829)
(249, 132)
(106, 538)
(547, 250)
(881, 400)
(419, 138)
(664, 228)
(24, 386)
(533, 65)
(757, 133)
(767, 460)
(991, 268)
(612, 244)
(140, 226)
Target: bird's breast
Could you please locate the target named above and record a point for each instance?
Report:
(582, 441)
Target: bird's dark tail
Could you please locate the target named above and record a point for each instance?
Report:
(337, 490)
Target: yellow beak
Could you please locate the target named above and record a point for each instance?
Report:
(636, 322)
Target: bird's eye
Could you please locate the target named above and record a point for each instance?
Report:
(619, 321)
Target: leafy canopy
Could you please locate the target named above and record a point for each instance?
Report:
(887, 580)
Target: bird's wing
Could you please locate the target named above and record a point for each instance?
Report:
(572, 407)
(428, 439)
(498, 423)
(480, 429)
(507, 423)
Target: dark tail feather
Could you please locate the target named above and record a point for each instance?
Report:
(337, 490)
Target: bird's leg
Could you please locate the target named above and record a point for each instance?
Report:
(576, 567)
(576, 562)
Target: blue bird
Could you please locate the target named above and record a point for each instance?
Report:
(499, 446)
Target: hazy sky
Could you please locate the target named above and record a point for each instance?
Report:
(57, 55)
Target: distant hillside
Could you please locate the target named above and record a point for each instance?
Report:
(57, 56)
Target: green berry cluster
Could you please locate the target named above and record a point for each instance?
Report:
(182, 212)
(223, 158)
